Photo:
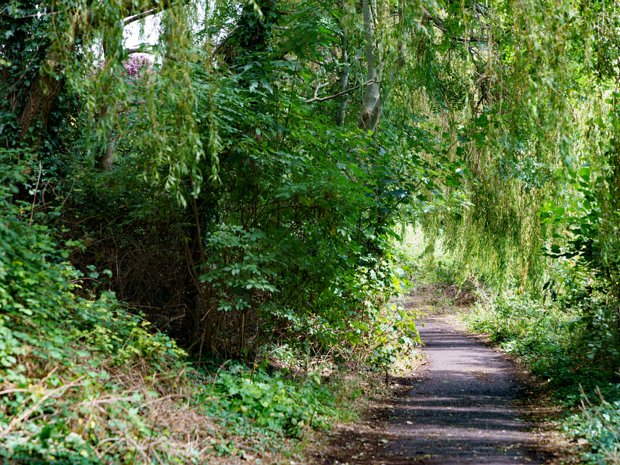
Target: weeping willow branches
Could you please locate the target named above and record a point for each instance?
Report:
(518, 116)
(81, 52)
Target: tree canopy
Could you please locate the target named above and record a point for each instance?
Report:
(242, 178)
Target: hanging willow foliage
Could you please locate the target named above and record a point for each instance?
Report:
(511, 82)
(84, 53)
(483, 117)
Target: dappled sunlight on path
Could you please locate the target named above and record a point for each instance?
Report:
(459, 410)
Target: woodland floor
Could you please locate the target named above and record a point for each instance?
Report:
(465, 404)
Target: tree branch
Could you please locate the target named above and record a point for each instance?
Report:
(139, 16)
(316, 98)
(142, 48)
(439, 24)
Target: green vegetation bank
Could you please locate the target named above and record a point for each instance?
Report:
(197, 230)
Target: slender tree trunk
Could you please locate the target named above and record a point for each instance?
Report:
(38, 106)
(344, 84)
(371, 102)
(108, 159)
(344, 75)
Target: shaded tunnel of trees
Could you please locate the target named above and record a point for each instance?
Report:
(242, 177)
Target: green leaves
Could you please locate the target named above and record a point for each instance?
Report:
(597, 427)
(241, 267)
(271, 401)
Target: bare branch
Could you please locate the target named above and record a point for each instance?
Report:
(142, 48)
(316, 98)
(317, 89)
(139, 16)
(439, 24)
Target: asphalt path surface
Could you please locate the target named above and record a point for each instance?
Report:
(460, 409)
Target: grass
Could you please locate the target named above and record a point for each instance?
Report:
(153, 406)
(576, 361)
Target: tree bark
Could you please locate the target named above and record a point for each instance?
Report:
(344, 74)
(344, 84)
(39, 105)
(371, 102)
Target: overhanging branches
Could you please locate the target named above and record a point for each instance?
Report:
(316, 97)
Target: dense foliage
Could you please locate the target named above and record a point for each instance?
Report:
(228, 205)
(86, 382)
(240, 178)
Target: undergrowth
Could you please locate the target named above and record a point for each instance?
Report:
(597, 426)
(84, 381)
(575, 353)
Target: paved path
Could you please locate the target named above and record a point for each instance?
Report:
(460, 412)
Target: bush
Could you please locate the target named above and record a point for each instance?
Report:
(273, 402)
(557, 343)
(599, 427)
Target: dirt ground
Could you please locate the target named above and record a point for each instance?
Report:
(467, 405)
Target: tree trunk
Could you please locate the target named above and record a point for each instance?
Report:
(344, 75)
(39, 104)
(344, 85)
(371, 102)
(108, 159)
